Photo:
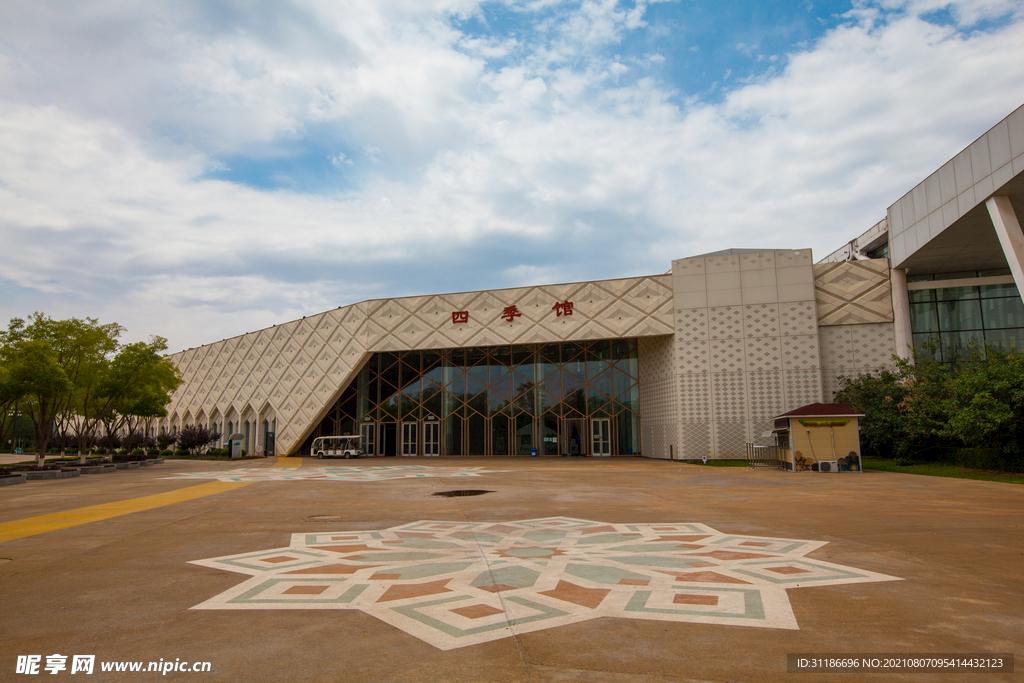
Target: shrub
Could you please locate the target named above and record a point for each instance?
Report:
(969, 409)
(195, 438)
(166, 452)
(181, 451)
(109, 441)
(65, 441)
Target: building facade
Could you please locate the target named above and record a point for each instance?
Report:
(695, 362)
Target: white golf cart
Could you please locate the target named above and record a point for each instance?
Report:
(333, 446)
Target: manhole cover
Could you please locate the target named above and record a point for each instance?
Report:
(463, 492)
(323, 518)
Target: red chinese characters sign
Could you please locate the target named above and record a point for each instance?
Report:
(562, 308)
(511, 313)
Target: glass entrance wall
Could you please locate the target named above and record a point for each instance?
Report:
(957, 317)
(498, 400)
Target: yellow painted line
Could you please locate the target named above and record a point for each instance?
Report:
(30, 526)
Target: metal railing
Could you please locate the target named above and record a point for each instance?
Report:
(763, 456)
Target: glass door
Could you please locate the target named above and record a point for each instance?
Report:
(367, 430)
(408, 439)
(431, 439)
(573, 441)
(601, 437)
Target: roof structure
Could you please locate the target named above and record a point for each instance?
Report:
(823, 410)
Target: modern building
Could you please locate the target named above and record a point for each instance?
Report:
(693, 362)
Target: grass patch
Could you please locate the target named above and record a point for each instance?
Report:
(717, 463)
(936, 469)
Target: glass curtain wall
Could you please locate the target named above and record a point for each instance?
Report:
(956, 317)
(499, 400)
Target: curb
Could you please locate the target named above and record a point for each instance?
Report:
(52, 474)
(71, 472)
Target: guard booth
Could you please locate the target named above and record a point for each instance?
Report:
(819, 437)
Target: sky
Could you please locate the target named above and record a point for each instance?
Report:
(199, 169)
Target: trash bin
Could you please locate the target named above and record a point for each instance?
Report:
(533, 452)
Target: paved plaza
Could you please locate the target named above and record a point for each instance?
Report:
(565, 570)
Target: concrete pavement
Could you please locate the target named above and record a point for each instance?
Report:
(123, 586)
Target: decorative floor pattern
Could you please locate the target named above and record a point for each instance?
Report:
(455, 584)
(350, 473)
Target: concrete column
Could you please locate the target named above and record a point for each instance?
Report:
(901, 313)
(1010, 236)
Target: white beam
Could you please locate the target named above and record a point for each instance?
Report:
(1010, 236)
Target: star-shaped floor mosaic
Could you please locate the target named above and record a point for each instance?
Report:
(455, 584)
(350, 473)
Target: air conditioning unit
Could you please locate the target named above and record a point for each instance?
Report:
(828, 466)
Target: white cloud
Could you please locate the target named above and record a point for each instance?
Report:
(340, 159)
(966, 12)
(538, 168)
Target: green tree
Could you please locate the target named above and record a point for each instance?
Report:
(926, 406)
(8, 400)
(885, 428)
(83, 349)
(914, 407)
(985, 402)
(40, 384)
(138, 385)
(99, 381)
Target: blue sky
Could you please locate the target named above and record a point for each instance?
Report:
(203, 169)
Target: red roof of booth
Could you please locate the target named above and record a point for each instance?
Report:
(822, 410)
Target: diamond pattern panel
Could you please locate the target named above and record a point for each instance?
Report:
(696, 439)
(873, 345)
(851, 350)
(837, 346)
(729, 395)
(692, 324)
(731, 438)
(800, 352)
(765, 395)
(762, 435)
(293, 372)
(763, 353)
(830, 382)
(749, 348)
(726, 322)
(727, 355)
(658, 403)
(798, 317)
(694, 356)
(853, 292)
(694, 403)
(761, 320)
(802, 387)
